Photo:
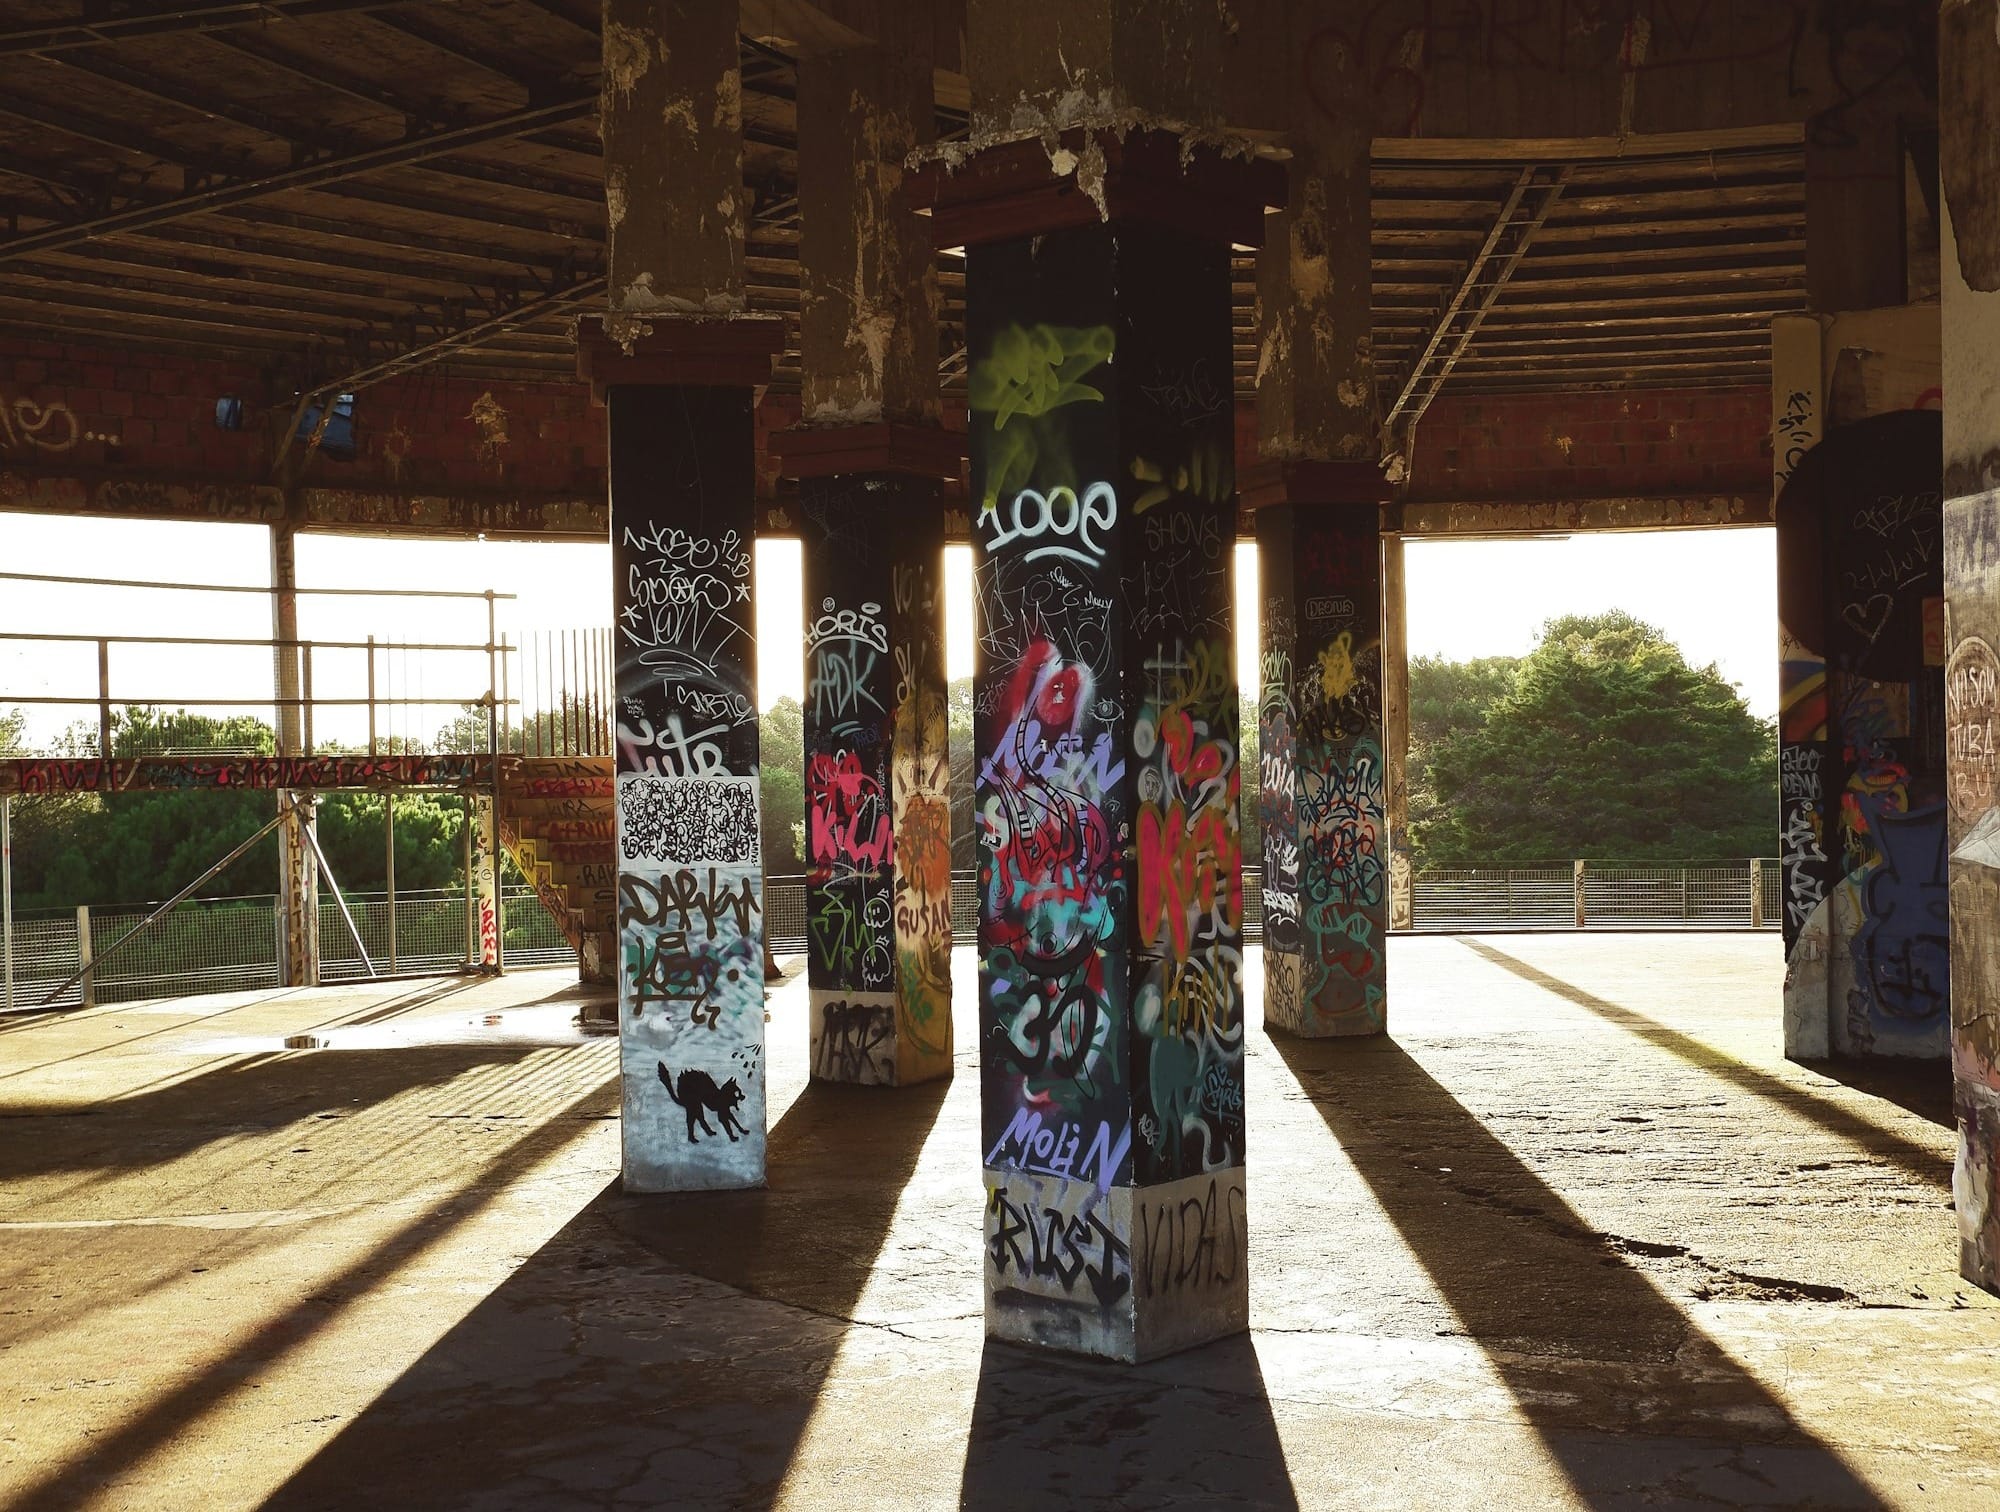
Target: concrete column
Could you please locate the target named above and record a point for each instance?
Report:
(1969, 128)
(485, 854)
(1327, 834)
(878, 808)
(1326, 841)
(298, 867)
(878, 830)
(1804, 833)
(1396, 731)
(1856, 242)
(678, 391)
(1110, 907)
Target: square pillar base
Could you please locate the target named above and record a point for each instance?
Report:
(1124, 1273)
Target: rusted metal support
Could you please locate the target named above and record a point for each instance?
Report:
(1499, 255)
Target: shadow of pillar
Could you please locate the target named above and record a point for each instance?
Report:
(1624, 1388)
(1194, 1429)
(601, 1374)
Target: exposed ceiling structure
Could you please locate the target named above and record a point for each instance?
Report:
(339, 190)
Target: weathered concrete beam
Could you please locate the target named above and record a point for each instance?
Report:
(868, 293)
(672, 116)
(1473, 517)
(578, 516)
(1315, 360)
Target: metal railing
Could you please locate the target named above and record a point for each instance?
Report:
(1462, 900)
(233, 944)
(386, 692)
(230, 944)
(566, 685)
(1598, 895)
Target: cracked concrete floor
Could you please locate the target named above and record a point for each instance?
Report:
(1576, 1235)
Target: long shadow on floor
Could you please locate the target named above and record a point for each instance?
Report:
(599, 1375)
(108, 1458)
(245, 1095)
(1924, 1164)
(1916, 1086)
(1630, 1396)
(1195, 1430)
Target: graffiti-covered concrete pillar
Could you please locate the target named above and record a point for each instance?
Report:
(1862, 742)
(677, 363)
(1396, 733)
(1969, 126)
(869, 457)
(1321, 745)
(1110, 901)
(484, 927)
(878, 804)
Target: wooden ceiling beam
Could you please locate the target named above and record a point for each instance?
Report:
(99, 26)
(301, 176)
(199, 290)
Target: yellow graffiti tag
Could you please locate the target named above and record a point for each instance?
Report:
(1336, 667)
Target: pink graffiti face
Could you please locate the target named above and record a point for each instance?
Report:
(1047, 691)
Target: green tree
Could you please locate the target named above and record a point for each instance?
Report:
(430, 830)
(1606, 745)
(13, 732)
(1447, 699)
(781, 734)
(99, 848)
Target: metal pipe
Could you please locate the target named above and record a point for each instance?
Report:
(54, 638)
(91, 582)
(389, 830)
(372, 751)
(472, 958)
(333, 881)
(493, 663)
(133, 933)
(104, 698)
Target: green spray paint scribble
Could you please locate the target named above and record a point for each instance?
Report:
(1028, 374)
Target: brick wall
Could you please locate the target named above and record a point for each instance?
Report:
(65, 405)
(68, 405)
(1634, 444)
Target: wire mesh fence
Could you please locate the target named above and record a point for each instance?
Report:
(234, 944)
(1597, 895)
(1616, 895)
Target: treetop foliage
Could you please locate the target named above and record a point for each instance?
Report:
(1601, 744)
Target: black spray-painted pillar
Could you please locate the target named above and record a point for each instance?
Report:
(1110, 898)
(1322, 754)
(1320, 750)
(1861, 757)
(869, 454)
(690, 873)
(878, 808)
(677, 362)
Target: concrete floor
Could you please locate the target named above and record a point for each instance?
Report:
(1575, 1236)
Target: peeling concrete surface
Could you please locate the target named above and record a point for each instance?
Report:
(868, 275)
(1576, 1236)
(671, 116)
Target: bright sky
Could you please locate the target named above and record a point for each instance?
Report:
(1712, 591)
(1715, 592)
